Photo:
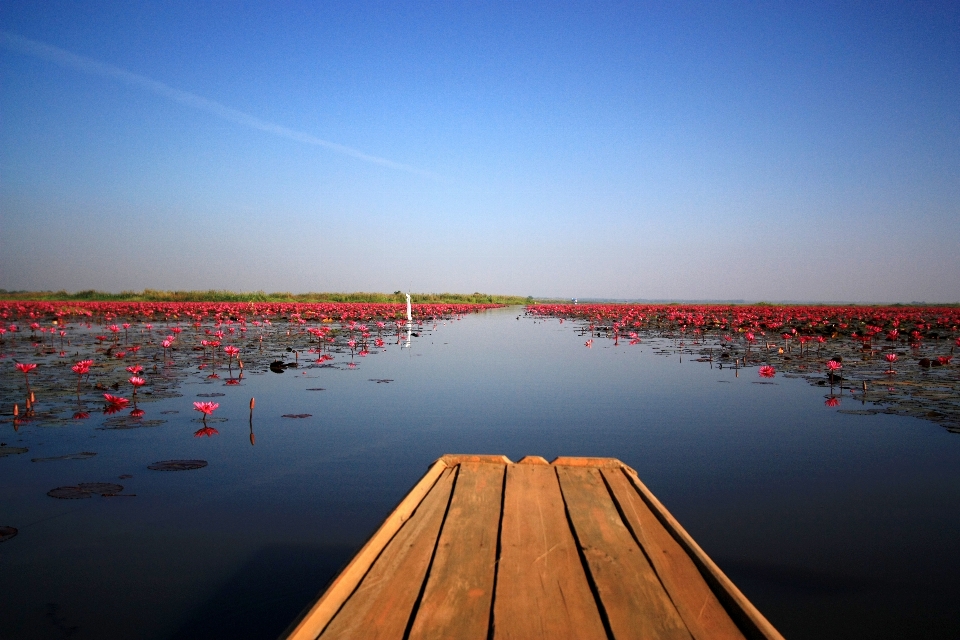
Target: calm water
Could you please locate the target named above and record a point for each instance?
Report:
(835, 525)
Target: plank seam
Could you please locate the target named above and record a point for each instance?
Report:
(636, 538)
(496, 564)
(584, 564)
(426, 577)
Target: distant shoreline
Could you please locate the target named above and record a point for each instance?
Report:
(219, 295)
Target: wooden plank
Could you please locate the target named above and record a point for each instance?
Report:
(453, 459)
(597, 463)
(532, 460)
(748, 618)
(459, 591)
(632, 597)
(327, 605)
(542, 590)
(382, 603)
(700, 609)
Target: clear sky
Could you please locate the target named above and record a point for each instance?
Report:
(719, 150)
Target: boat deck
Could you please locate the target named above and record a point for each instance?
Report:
(486, 548)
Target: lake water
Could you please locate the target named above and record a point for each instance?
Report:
(834, 525)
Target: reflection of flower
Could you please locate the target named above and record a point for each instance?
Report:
(205, 431)
(81, 415)
(116, 400)
(832, 401)
(766, 371)
(232, 381)
(137, 413)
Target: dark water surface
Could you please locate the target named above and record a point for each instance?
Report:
(834, 525)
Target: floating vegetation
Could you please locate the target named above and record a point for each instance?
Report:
(851, 349)
(85, 490)
(177, 465)
(77, 352)
(12, 451)
(380, 380)
(7, 532)
(210, 395)
(317, 389)
(121, 423)
(297, 415)
(83, 455)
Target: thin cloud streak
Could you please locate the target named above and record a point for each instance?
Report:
(65, 58)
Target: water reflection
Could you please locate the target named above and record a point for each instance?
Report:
(762, 476)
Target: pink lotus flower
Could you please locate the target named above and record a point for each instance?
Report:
(206, 408)
(26, 368)
(833, 365)
(137, 382)
(135, 369)
(766, 371)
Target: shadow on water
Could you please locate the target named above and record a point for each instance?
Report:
(266, 593)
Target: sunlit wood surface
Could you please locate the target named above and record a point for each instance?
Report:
(485, 548)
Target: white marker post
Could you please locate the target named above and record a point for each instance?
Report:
(409, 321)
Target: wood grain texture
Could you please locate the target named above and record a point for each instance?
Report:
(748, 617)
(596, 463)
(698, 606)
(459, 591)
(632, 596)
(380, 608)
(542, 590)
(327, 605)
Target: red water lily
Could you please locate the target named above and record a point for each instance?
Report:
(26, 368)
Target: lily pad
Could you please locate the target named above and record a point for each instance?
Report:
(177, 465)
(12, 451)
(316, 389)
(7, 532)
(210, 395)
(381, 380)
(83, 455)
(297, 415)
(85, 490)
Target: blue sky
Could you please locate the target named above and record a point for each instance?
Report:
(766, 151)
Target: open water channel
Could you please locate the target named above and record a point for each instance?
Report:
(834, 525)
